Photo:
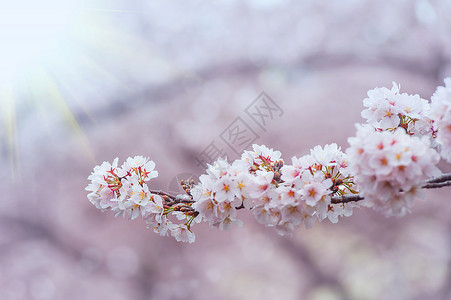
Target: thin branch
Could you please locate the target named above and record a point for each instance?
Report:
(171, 200)
(164, 194)
(346, 199)
(442, 178)
(433, 183)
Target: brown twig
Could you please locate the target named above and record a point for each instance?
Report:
(435, 185)
(171, 200)
(442, 178)
(346, 199)
(162, 193)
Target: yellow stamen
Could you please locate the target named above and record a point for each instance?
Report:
(312, 193)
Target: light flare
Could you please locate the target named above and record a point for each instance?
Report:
(55, 54)
(29, 30)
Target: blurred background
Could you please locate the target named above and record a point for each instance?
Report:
(82, 82)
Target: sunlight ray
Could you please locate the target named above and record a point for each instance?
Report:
(44, 87)
(9, 120)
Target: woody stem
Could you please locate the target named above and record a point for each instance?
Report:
(171, 200)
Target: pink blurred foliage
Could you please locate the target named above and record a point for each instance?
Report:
(316, 59)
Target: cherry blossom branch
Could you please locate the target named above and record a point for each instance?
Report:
(433, 183)
(388, 157)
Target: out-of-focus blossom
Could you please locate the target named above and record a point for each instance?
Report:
(441, 113)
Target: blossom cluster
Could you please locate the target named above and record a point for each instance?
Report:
(278, 194)
(388, 109)
(124, 191)
(389, 167)
(384, 168)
